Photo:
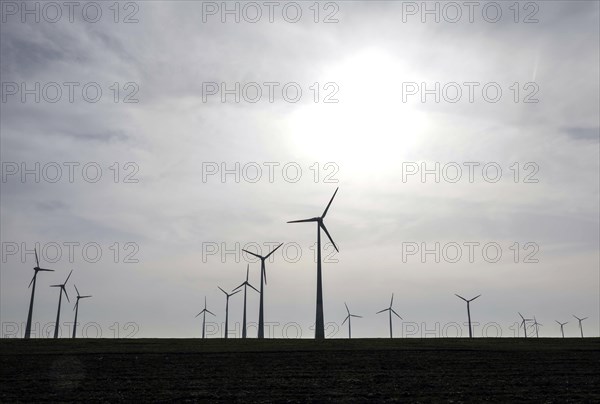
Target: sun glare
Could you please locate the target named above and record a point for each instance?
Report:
(370, 125)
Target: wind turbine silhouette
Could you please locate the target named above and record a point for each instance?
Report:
(76, 308)
(391, 311)
(320, 321)
(348, 318)
(62, 289)
(536, 325)
(580, 325)
(203, 312)
(523, 323)
(263, 281)
(562, 331)
(29, 315)
(228, 295)
(468, 311)
(245, 285)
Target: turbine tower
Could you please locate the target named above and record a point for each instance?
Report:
(76, 308)
(245, 285)
(391, 311)
(263, 281)
(524, 324)
(62, 289)
(203, 312)
(36, 269)
(537, 327)
(580, 325)
(320, 322)
(468, 311)
(348, 318)
(227, 295)
(562, 331)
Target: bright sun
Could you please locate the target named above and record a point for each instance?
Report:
(370, 125)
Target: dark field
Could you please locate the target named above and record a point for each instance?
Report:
(451, 370)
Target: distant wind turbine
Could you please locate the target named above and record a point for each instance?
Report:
(245, 285)
(36, 269)
(469, 311)
(537, 327)
(227, 295)
(391, 311)
(76, 308)
(320, 321)
(348, 318)
(580, 325)
(562, 331)
(263, 281)
(203, 312)
(62, 289)
(524, 324)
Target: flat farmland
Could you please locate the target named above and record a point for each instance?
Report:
(381, 370)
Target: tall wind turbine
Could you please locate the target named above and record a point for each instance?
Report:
(468, 311)
(203, 312)
(36, 269)
(227, 295)
(263, 281)
(562, 331)
(391, 311)
(245, 285)
(537, 327)
(320, 321)
(62, 289)
(76, 308)
(524, 324)
(580, 325)
(348, 318)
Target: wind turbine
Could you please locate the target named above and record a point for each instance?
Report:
(580, 325)
(76, 308)
(228, 295)
(348, 318)
(36, 269)
(536, 325)
(320, 322)
(468, 311)
(391, 311)
(562, 331)
(523, 323)
(245, 285)
(203, 312)
(62, 289)
(263, 281)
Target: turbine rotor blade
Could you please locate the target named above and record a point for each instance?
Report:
(253, 288)
(32, 280)
(462, 298)
(398, 315)
(314, 219)
(44, 269)
(83, 297)
(354, 315)
(247, 272)
(268, 255)
(197, 314)
(37, 262)
(329, 235)
(233, 293)
(66, 280)
(65, 290)
(251, 253)
(76, 304)
(474, 298)
(346, 319)
(208, 311)
(381, 311)
(76, 290)
(222, 290)
(519, 315)
(329, 204)
(55, 286)
(239, 286)
(348, 310)
(392, 301)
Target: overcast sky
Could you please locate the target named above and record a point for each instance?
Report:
(366, 127)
